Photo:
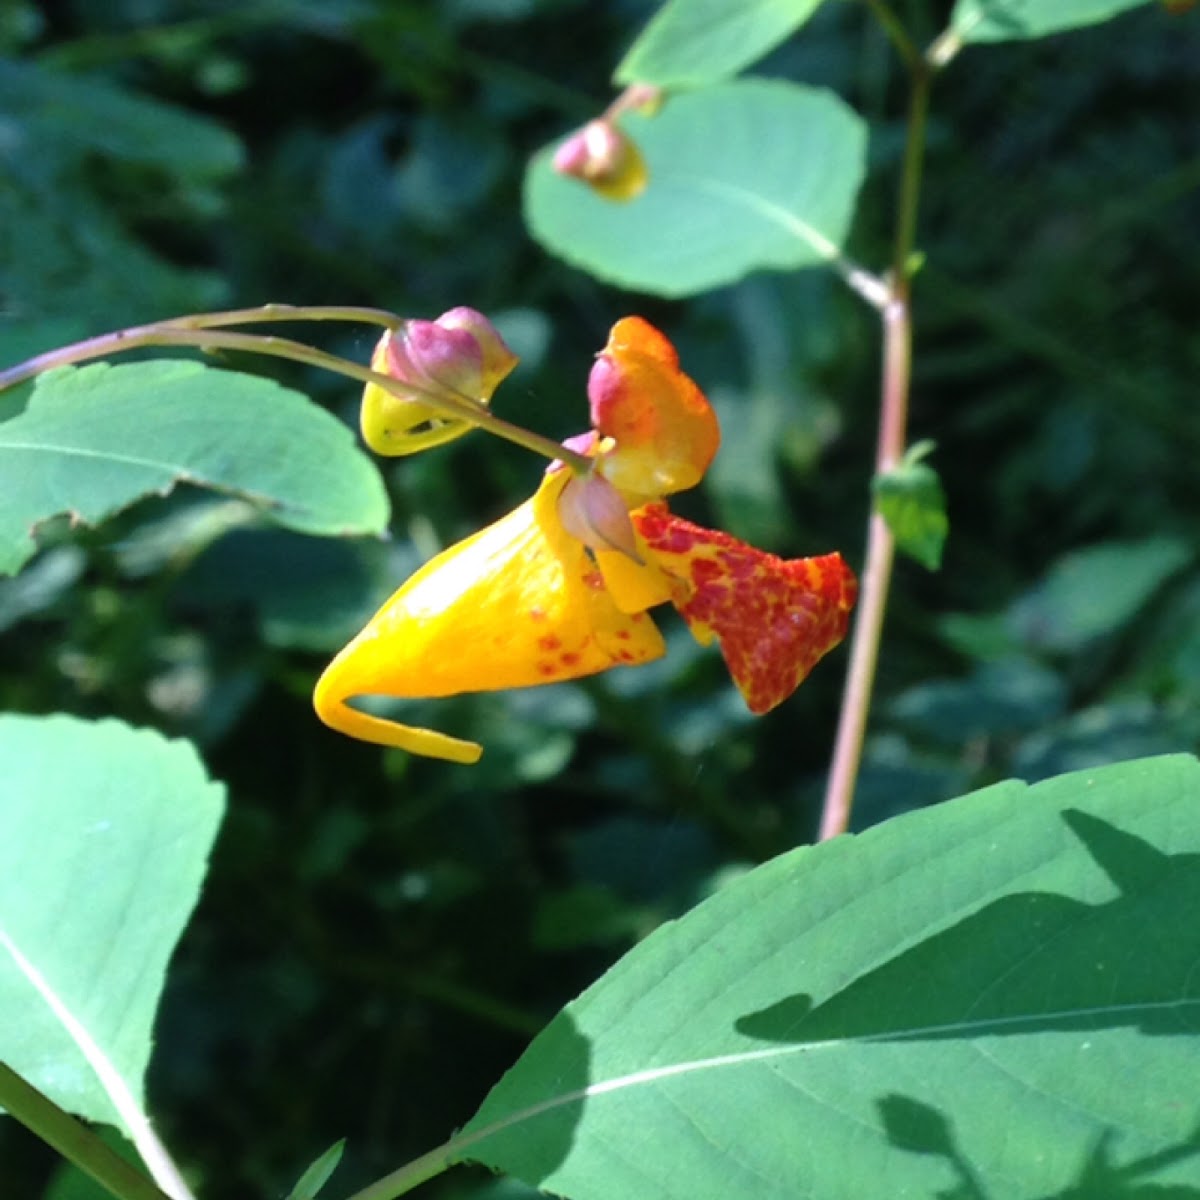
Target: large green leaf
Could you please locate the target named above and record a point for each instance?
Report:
(998, 997)
(745, 175)
(93, 440)
(104, 836)
(1006, 20)
(691, 42)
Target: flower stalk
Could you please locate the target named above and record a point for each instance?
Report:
(206, 331)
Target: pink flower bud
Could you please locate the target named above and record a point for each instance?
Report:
(498, 359)
(460, 352)
(457, 358)
(605, 158)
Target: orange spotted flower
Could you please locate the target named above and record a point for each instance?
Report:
(560, 587)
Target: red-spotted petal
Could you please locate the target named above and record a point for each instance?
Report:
(774, 618)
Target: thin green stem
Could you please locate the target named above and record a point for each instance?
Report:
(203, 332)
(910, 180)
(897, 34)
(73, 1140)
(265, 313)
(402, 1180)
(896, 377)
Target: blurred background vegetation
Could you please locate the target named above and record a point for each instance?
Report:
(380, 936)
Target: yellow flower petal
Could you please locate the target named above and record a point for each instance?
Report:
(394, 426)
(634, 587)
(519, 603)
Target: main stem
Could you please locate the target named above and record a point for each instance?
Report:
(893, 422)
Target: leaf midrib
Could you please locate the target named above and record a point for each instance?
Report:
(964, 1030)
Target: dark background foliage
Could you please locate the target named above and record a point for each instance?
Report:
(380, 936)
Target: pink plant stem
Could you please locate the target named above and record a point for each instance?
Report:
(876, 579)
(893, 421)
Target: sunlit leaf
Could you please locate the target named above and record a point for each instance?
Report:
(690, 42)
(997, 996)
(1005, 20)
(744, 176)
(104, 836)
(910, 499)
(93, 440)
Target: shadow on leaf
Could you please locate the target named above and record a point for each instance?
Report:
(1031, 962)
(921, 1128)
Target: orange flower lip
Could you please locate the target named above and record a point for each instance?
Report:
(774, 618)
(664, 429)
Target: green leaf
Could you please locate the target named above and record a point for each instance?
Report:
(95, 439)
(59, 109)
(1095, 592)
(690, 42)
(745, 175)
(318, 1173)
(998, 699)
(910, 499)
(996, 996)
(1007, 20)
(71, 200)
(104, 836)
(306, 594)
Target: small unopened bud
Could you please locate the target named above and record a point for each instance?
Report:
(460, 352)
(605, 158)
(459, 358)
(497, 359)
(592, 510)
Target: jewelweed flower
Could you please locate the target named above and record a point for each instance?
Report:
(459, 357)
(560, 587)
